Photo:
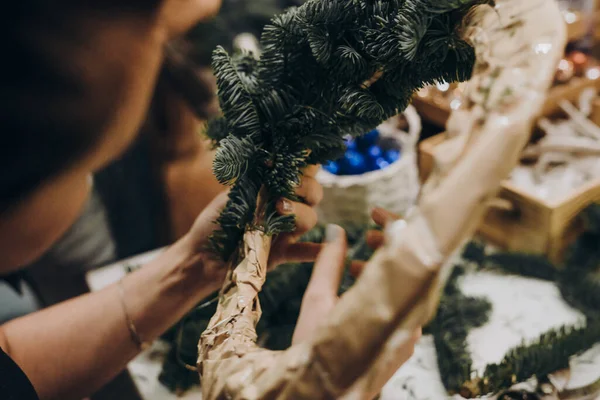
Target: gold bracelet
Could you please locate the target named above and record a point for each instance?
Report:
(135, 337)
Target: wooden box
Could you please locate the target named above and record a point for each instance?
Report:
(437, 112)
(518, 221)
(577, 25)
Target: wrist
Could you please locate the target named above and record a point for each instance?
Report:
(189, 270)
(161, 293)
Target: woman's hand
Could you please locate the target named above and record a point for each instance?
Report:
(285, 248)
(321, 294)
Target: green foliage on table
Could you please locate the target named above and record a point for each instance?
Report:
(579, 283)
(457, 315)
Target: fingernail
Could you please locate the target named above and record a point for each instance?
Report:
(286, 206)
(333, 233)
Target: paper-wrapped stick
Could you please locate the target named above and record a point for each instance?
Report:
(519, 44)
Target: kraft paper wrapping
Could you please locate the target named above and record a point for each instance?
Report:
(519, 44)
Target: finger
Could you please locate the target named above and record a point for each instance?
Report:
(405, 352)
(321, 294)
(329, 266)
(312, 316)
(375, 239)
(306, 216)
(284, 249)
(310, 190)
(417, 334)
(311, 171)
(382, 216)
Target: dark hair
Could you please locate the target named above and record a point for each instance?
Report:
(183, 74)
(57, 91)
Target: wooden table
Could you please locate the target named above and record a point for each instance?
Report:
(523, 308)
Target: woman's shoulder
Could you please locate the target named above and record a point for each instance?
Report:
(14, 384)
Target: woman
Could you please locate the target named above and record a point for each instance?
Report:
(74, 95)
(74, 92)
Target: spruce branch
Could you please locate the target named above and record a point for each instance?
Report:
(350, 61)
(456, 316)
(236, 216)
(579, 283)
(523, 264)
(327, 69)
(235, 95)
(232, 158)
(216, 130)
(551, 352)
(411, 26)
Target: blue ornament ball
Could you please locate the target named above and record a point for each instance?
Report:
(379, 163)
(350, 143)
(353, 163)
(374, 152)
(392, 156)
(368, 139)
(332, 167)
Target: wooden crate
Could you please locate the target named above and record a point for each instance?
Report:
(578, 28)
(518, 221)
(569, 91)
(437, 112)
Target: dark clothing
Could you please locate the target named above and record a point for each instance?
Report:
(14, 384)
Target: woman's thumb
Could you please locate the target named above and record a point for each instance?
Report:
(321, 294)
(329, 267)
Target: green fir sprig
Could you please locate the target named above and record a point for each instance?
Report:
(457, 315)
(328, 68)
(579, 282)
(549, 353)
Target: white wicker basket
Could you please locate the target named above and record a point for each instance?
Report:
(350, 199)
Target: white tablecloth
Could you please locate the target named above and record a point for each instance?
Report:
(522, 309)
